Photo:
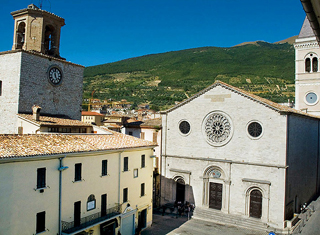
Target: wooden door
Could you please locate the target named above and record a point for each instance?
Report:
(215, 196)
(255, 204)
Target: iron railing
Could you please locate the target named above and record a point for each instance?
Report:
(89, 221)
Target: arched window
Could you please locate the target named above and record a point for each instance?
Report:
(256, 203)
(20, 35)
(91, 203)
(311, 63)
(308, 65)
(315, 64)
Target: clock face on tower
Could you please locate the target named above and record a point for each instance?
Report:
(55, 75)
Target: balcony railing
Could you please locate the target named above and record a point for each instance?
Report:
(89, 221)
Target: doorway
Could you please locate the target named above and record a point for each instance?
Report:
(142, 219)
(256, 204)
(215, 196)
(180, 190)
(77, 213)
(103, 204)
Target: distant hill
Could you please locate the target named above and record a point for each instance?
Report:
(161, 79)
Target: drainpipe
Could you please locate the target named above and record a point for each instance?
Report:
(60, 169)
(119, 185)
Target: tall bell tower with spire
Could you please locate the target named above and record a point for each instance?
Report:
(307, 71)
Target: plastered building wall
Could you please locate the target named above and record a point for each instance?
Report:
(10, 69)
(21, 201)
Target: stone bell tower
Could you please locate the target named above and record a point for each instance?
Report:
(34, 74)
(37, 30)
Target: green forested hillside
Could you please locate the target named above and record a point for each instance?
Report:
(161, 79)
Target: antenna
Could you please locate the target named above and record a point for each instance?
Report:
(40, 3)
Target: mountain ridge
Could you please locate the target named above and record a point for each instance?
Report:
(265, 69)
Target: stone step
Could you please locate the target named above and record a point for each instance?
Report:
(228, 219)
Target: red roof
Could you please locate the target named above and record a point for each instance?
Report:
(86, 113)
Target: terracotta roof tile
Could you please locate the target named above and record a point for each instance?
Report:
(86, 113)
(17, 146)
(54, 121)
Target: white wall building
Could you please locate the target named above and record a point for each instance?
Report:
(240, 158)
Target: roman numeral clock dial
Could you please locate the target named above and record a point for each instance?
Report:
(55, 75)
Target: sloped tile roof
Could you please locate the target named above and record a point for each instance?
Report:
(54, 121)
(268, 103)
(86, 113)
(19, 146)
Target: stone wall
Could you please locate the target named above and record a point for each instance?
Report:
(35, 88)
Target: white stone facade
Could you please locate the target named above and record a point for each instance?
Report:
(24, 77)
(241, 163)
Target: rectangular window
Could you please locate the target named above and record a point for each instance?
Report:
(142, 190)
(142, 135)
(125, 194)
(130, 133)
(155, 135)
(135, 173)
(41, 222)
(77, 172)
(104, 167)
(41, 177)
(143, 161)
(0, 88)
(125, 163)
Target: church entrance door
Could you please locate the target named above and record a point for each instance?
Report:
(181, 188)
(215, 196)
(255, 204)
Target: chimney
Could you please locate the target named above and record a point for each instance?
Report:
(36, 112)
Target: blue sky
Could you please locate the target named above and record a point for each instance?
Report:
(103, 31)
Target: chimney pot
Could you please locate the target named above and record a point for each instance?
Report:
(36, 112)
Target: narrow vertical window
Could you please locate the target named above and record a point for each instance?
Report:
(315, 64)
(41, 177)
(143, 161)
(142, 135)
(135, 173)
(103, 204)
(104, 167)
(308, 65)
(155, 135)
(125, 194)
(41, 222)
(77, 172)
(142, 190)
(0, 88)
(125, 163)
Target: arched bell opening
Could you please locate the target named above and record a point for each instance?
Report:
(50, 40)
(20, 37)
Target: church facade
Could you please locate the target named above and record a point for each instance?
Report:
(240, 158)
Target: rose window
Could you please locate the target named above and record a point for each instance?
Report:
(217, 128)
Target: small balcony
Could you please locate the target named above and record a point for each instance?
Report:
(90, 221)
